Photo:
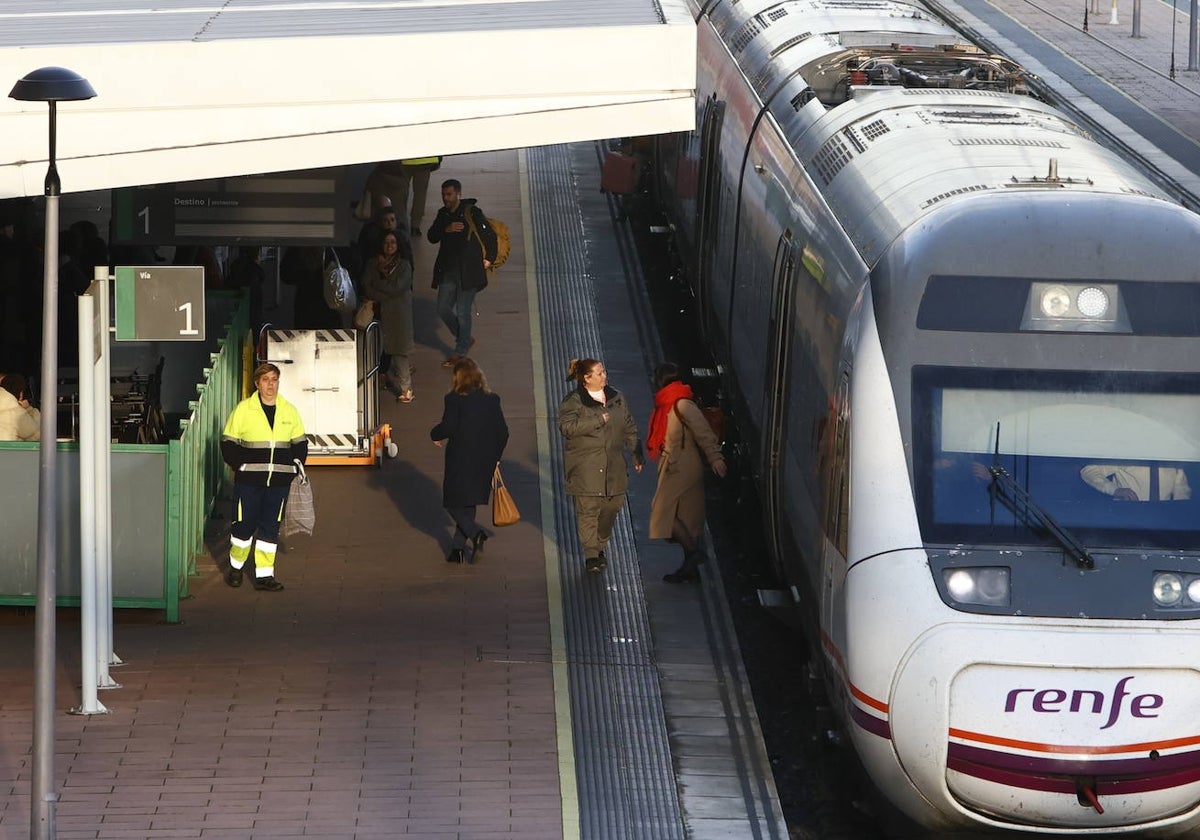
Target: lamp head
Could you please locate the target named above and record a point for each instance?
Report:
(52, 84)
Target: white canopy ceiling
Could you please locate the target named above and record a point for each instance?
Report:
(212, 88)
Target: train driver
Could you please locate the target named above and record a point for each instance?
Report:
(1133, 483)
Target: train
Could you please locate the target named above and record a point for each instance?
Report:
(959, 336)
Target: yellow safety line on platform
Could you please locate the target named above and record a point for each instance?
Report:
(558, 641)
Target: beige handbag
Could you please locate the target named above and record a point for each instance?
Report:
(504, 509)
(365, 314)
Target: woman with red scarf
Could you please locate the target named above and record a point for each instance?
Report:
(679, 435)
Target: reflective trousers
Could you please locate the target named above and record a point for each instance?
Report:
(258, 512)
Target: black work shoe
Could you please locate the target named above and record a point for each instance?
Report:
(595, 565)
(682, 575)
(456, 555)
(477, 542)
(267, 584)
(233, 577)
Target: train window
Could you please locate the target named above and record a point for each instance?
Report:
(1002, 304)
(1114, 457)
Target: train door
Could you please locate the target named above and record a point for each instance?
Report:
(780, 331)
(835, 477)
(707, 203)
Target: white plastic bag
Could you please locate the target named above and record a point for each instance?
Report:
(339, 288)
(299, 515)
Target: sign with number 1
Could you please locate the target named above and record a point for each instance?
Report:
(160, 303)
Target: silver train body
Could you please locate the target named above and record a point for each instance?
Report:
(961, 338)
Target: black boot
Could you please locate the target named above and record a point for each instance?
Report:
(689, 572)
(477, 542)
(456, 555)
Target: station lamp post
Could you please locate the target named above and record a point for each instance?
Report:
(51, 85)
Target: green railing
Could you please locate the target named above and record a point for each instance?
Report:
(196, 472)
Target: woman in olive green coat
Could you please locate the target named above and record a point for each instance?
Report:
(599, 429)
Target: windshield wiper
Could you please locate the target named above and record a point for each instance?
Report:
(1018, 500)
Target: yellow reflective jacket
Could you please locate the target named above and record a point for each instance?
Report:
(259, 453)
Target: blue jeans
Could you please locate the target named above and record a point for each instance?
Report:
(455, 306)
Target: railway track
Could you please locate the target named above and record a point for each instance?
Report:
(1188, 196)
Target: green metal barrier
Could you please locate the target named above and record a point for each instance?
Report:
(196, 472)
(161, 494)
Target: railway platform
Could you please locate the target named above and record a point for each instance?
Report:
(1137, 90)
(385, 693)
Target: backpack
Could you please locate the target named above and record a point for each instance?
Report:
(503, 242)
(503, 238)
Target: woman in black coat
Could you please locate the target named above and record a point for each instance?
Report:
(475, 435)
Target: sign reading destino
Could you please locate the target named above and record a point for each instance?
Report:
(310, 207)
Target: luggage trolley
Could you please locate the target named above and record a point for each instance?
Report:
(332, 378)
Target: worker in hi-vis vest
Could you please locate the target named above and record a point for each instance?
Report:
(263, 441)
(390, 182)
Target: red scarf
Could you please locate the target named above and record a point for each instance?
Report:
(664, 401)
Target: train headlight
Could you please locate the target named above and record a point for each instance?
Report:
(1092, 302)
(1067, 307)
(1168, 589)
(987, 585)
(1176, 590)
(1056, 301)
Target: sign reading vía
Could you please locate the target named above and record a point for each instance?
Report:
(160, 303)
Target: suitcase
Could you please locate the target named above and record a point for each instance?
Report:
(619, 174)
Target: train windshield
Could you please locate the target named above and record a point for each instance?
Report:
(1113, 457)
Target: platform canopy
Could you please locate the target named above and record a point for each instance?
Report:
(192, 89)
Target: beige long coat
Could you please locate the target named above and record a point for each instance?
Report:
(680, 492)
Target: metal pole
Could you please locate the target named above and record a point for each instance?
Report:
(43, 797)
(1174, 17)
(104, 489)
(1193, 39)
(1137, 19)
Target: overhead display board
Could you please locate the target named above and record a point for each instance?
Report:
(160, 303)
(311, 207)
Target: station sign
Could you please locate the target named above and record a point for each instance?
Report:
(310, 207)
(160, 303)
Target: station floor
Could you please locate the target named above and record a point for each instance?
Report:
(385, 693)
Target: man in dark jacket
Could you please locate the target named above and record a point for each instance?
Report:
(467, 249)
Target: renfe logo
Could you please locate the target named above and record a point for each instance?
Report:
(1055, 700)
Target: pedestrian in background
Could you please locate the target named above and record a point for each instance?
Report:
(262, 441)
(392, 179)
(372, 232)
(680, 439)
(467, 247)
(474, 433)
(388, 279)
(303, 267)
(246, 272)
(18, 419)
(599, 429)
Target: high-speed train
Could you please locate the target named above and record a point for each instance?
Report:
(963, 343)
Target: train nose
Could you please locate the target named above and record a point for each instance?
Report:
(1011, 737)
